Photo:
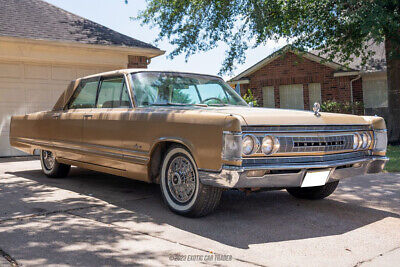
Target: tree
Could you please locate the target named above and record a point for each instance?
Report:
(340, 29)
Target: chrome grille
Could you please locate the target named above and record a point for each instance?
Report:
(298, 144)
(309, 139)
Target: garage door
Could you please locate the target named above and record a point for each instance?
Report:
(291, 96)
(26, 88)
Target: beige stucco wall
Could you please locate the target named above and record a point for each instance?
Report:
(34, 73)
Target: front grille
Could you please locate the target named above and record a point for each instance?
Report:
(330, 143)
(309, 139)
(313, 144)
(250, 162)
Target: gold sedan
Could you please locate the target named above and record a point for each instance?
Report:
(195, 136)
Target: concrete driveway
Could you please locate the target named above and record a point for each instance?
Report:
(93, 219)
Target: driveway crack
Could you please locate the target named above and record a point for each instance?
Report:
(29, 216)
(377, 256)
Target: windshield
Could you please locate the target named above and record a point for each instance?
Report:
(161, 88)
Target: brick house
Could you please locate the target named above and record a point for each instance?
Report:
(43, 48)
(290, 79)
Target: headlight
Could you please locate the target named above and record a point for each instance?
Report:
(270, 145)
(380, 140)
(250, 144)
(357, 141)
(366, 140)
(231, 146)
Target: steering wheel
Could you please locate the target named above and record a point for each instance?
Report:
(211, 98)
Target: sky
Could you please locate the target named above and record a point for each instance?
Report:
(115, 14)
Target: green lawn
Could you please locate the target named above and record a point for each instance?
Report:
(393, 153)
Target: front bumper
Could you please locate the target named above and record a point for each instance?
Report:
(289, 175)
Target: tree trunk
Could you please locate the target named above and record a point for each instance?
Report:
(393, 79)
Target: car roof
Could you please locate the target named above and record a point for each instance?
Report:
(128, 71)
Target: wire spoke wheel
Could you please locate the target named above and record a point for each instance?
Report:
(48, 159)
(181, 179)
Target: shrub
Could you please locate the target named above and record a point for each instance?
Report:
(339, 107)
(249, 98)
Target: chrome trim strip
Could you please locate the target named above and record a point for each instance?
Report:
(135, 159)
(292, 166)
(302, 128)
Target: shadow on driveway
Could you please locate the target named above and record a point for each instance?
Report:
(239, 221)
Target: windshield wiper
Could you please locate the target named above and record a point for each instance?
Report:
(167, 104)
(218, 105)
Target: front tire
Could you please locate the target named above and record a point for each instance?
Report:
(316, 192)
(181, 189)
(51, 167)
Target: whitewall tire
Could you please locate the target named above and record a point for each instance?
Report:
(51, 167)
(180, 186)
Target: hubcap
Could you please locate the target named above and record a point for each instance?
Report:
(48, 159)
(181, 179)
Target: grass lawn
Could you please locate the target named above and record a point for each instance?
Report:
(393, 152)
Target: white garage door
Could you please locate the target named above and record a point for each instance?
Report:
(291, 96)
(26, 88)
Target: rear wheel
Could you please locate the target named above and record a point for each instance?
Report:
(51, 167)
(180, 186)
(316, 192)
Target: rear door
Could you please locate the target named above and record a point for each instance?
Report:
(103, 124)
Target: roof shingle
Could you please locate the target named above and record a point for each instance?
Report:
(36, 19)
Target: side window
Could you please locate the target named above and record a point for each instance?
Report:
(113, 93)
(85, 95)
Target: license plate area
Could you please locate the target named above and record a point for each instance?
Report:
(315, 178)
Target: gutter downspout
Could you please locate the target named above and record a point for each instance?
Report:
(351, 92)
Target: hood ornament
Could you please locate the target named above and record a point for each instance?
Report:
(316, 108)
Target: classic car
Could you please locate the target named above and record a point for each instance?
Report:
(195, 136)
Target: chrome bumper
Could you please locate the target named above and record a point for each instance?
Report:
(285, 175)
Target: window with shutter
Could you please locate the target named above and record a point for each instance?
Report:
(268, 97)
(314, 93)
(291, 96)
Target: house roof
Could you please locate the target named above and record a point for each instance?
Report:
(376, 63)
(39, 20)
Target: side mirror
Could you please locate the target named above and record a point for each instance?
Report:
(251, 104)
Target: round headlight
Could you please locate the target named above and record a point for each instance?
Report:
(366, 140)
(357, 141)
(270, 145)
(250, 144)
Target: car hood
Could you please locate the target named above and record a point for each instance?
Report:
(271, 116)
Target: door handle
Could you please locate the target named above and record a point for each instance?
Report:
(56, 116)
(87, 115)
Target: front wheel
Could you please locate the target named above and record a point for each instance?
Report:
(51, 167)
(180, 186)
(316, 192)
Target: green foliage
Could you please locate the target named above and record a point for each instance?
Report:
(339, 29)
(393, 153)
(249, 98)
(339, 107)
